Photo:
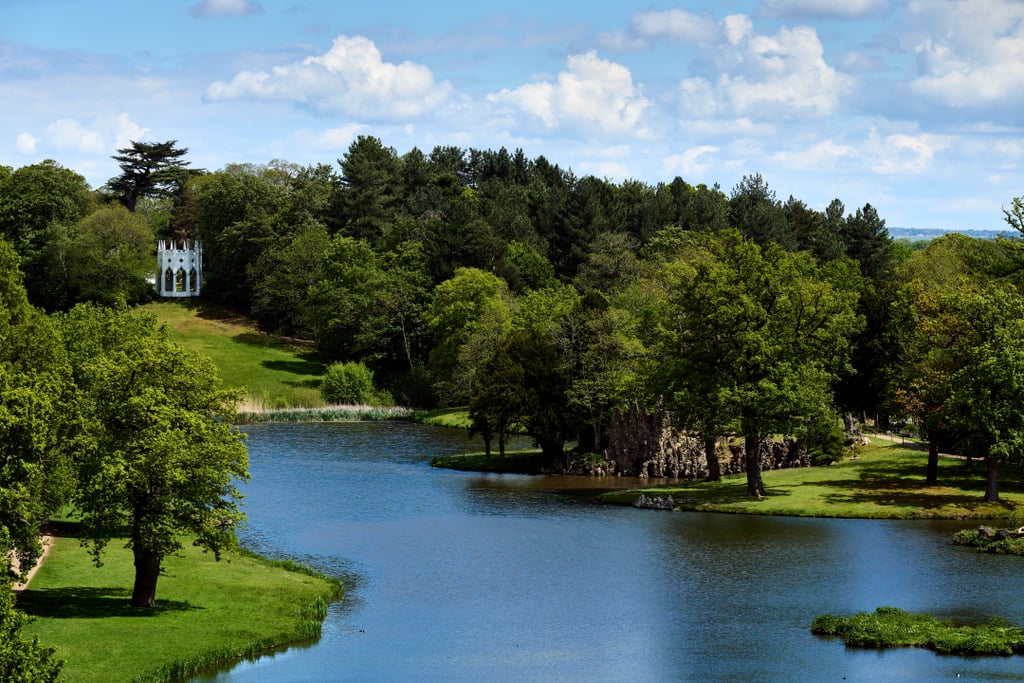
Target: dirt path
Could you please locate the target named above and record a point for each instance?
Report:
(47, 542)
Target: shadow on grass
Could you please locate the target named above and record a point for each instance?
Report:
(305, 365)
(208, 311)
(91, 603)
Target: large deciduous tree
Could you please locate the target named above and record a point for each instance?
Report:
(755, 337)
(111, 256)
(40, 206)
(159, 457)
(37, 403)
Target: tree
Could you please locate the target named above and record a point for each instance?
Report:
(603, 355)
(988, 388)
(279, 298)
(758, 215)
(754, 337)
(111, 256)
(149, 169)
(468, 318)
(924, 336)
(40, 207)
(369, 196)
(37, 406)
(159, 456)
(23, 661)
(497, 397)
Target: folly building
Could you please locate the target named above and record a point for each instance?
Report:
(179, 268)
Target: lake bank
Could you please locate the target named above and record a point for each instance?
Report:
(208, 613)
(883, 481)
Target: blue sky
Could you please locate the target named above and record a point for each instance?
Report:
(916, 107)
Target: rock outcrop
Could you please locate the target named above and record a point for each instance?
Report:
(643, 444)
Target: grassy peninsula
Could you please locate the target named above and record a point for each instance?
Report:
(207, 612)
(882, 481)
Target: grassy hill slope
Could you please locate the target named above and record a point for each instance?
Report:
(275, 372)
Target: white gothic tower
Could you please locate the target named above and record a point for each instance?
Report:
(179, 268)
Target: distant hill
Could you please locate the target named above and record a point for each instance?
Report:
(924, 234)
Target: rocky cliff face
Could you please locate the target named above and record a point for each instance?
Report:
(643, 444)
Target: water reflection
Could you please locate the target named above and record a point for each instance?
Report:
(456, 576)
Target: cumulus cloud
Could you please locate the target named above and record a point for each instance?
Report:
(846, 9)
(783, 76)
(351, 78)
(694, 161)
(674, 25)
(905, 154)
(26, 143)
(225, 8)
(69, 134)
(127, 130)
(969, 54)
(593, 94)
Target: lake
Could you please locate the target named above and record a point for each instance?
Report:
(456, 576)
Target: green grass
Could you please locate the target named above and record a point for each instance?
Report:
(454, 418)
(207, 612)
(275, 372)
(523, 461)
(885, 481)
(888, 627)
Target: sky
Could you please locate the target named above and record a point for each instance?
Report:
(916, 106)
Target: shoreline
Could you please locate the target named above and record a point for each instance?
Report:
(209, 615)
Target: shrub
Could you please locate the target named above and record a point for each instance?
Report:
(348, 383)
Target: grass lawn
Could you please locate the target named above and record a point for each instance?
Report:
(455, 418)
(886, 480)
(276, 372)
(206, 613)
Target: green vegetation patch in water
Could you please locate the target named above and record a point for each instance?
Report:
(988, 540)
(889, 627)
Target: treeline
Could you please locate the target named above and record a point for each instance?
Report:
(538, 298)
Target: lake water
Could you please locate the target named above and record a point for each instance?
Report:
(465, 577)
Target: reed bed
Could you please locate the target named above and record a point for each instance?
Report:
(334, 413)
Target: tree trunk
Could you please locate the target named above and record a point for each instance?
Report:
(932, 474)
(147, 571)
(752, 454)
(991, 485)
(711, 455)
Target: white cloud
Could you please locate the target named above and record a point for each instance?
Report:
(693, 161)
(846, 9)
(676, 25)
(69, 134)
(904, 154)
(351, 78)
(594, 94)
(223, 8)
(26, 143)
(969, 53)
(824, 153)
(783, 76)
(127, 130)
(338, 138)
(737, 27)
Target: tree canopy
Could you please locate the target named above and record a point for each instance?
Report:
(158, 453)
